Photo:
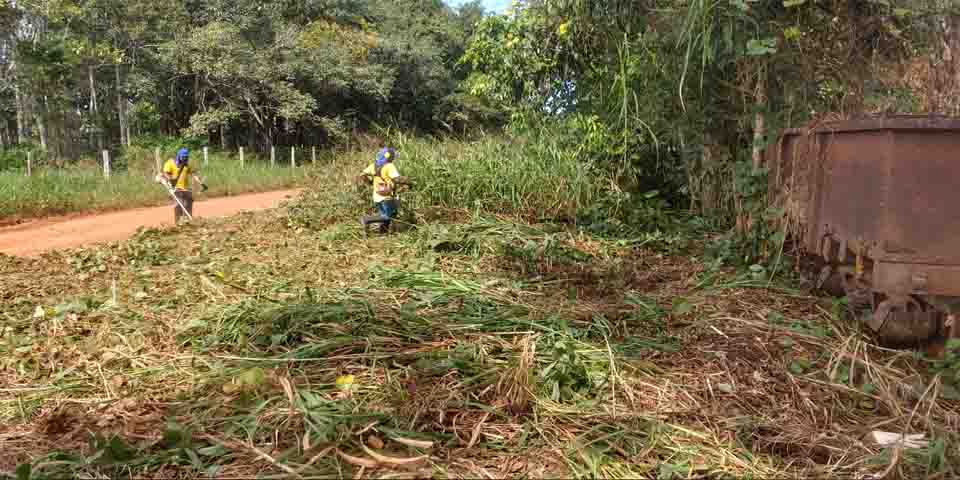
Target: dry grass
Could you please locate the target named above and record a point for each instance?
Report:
(455, 339)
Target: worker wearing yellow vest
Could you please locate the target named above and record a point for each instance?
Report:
(177, 173)
(385, 176)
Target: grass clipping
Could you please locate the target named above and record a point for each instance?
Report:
(213, 350)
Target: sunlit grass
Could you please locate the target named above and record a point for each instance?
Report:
(58, 191)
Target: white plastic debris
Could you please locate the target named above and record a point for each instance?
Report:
(890, 439)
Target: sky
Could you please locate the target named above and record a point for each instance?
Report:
(497, 6)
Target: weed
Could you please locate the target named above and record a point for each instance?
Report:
(948, 367)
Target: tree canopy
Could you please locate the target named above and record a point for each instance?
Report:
(83, 74)
(714, 80)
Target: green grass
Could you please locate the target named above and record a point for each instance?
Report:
(474, 347)
(55, 191)
(518, 177)
(523, 178)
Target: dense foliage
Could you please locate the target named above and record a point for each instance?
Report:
(715, 81)
(85, 74)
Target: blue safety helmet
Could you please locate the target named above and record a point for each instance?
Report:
(183, 156)
(385, 156)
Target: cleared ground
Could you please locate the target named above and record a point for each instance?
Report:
(471, 348)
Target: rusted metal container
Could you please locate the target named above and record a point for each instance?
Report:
(879, 200)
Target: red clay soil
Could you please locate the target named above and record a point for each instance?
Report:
(34, 238)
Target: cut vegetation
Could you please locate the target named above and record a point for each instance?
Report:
(474, 345)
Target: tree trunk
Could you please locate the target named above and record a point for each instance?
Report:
(95, 133)
(93, 89)
(759, 126)
(122, 117)
(196, 94)
(708, 186)
(41, 127)
(744, 218)
(21, 115)
(54, 132)
(223, 137)
(688, 165)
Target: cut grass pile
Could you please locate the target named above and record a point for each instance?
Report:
(479, 349)
(54, 191)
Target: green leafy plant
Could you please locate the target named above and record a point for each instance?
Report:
(949, 368)
(565, 377)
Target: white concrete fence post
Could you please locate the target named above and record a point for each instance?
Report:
(206, 156)
(293, 157)
(241, 157)
(29, 164)
(156, 159)
(273, 156)
(106, 164)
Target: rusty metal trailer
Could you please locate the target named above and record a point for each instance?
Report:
(878, 200)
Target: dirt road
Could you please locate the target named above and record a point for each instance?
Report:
(34, 238)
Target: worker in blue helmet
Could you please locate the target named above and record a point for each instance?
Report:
(385, 176)
(177, 173)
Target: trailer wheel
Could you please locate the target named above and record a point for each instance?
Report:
(905, 322)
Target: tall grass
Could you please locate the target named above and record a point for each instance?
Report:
(59, 191)
(530, 178)
(522, 178)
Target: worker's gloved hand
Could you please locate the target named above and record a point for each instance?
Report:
(203, 187)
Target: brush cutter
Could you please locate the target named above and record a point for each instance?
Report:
(173, 194)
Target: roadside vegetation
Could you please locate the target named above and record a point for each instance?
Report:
(55, 191)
